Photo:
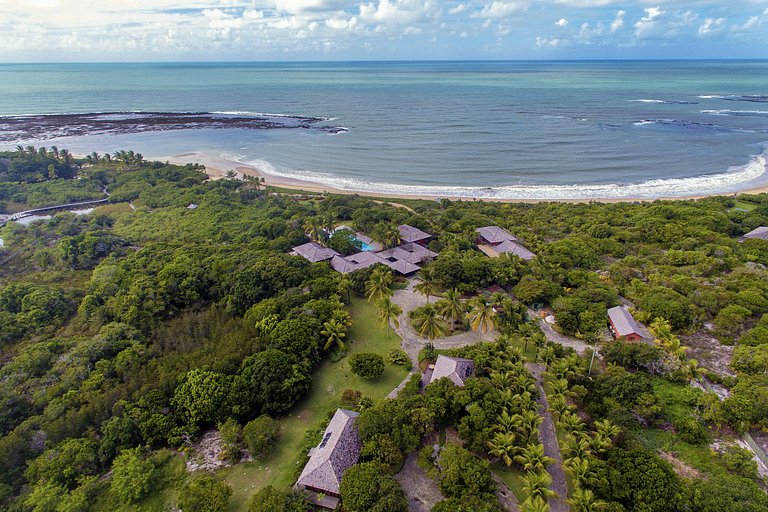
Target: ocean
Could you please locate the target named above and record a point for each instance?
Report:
(515, 130)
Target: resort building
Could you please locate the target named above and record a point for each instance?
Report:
(495, 241)
(410, 234)
(760, 233)
(404, 259)
(623, 324)
(347, 264)
(493, 235)
(455, 368)
(314, 252)
(337, 452)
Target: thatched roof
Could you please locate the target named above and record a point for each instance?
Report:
(314, 252)
(455, 368)
(510, 247)
(761, 233)
(338, 450)
(412, 234)
(494, 234)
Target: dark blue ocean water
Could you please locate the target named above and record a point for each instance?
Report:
(483, 129)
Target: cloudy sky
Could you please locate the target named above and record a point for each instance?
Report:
(160, 30)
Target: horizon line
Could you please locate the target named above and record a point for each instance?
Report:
(361, 61)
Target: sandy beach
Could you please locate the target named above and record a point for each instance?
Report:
(217, 167)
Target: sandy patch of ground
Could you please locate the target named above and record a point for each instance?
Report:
(709, 352)
(681, 468)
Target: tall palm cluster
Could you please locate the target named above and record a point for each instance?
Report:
(516, 432)
(435, 320)
(378, 289)
(675, 361)
(127, 157)
(580, 447)
(60, 155)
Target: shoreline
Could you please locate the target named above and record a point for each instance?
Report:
(216, 167)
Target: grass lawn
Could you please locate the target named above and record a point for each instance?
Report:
(111, 208)
(329, 381)
(744, 205)
(513, 477)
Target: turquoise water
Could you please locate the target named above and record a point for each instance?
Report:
(471, 129)
(365, 247)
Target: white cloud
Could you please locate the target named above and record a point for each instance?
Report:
(542, 42)
(711, 26)
(648, 23)
(502, 9)
(753, 21)
(617, 23)
(562, 22)
(458, 9)
(397, 12)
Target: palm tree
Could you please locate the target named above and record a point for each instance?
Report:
(54, 150)
(66, 156)
(558, 405)
(537, 485)
(31, 151)
(576, 448)
(452, 307)
(334, 332)
(429, 324)
(505, 422)
(426, 285)
(378, 285)
(503, 446)
(20, 150)
(571, 422)
(390, 236)
(42, 152)
(528, 422)
(311, 228)
(560, 386)
(388, 312)
(581, 471)
(532, 458)
(607, 428)
(534, 504)
(583, 500)
(107, 157)
(482, 317)
(344, 287)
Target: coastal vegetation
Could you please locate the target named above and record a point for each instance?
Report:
(130, 335)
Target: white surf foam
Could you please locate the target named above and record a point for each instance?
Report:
(734, 179)
(725, 112)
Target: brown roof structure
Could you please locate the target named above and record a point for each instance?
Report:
(412, 234)
(347, 264)
(494, 235)
(337, 452)
(455, 368)
(510, 247)
(760, 233)
(314, 252)
(623, 323)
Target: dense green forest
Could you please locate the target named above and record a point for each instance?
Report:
(128, 334)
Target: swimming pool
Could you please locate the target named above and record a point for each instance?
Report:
(366, 247)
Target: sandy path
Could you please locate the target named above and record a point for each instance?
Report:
(548, 436)
(408, 300)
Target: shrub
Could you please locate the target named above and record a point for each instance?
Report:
(399, 357)
(691, 431)
(260, 435)
(132, 476)
(367, 365)
(204, 494)
(370, 486)
(739, 461)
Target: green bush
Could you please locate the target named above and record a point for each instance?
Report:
(204, 494)
(692, 431)
(367, 365)
(399, 357)
(260, 436)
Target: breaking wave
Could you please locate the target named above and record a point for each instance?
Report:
(752, 98)
(734, 179)
(665, 102)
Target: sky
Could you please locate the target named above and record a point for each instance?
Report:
(275, 30)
